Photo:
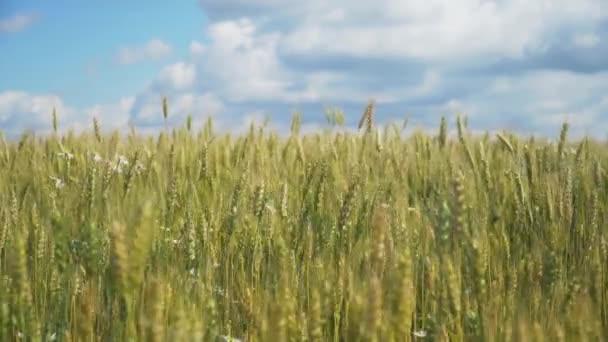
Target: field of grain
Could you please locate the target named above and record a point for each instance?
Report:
(334, 236)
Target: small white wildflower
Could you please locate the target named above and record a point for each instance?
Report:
(270, 208)
(230, 339)
(139, 167)
(19, 334)
(414, 211)
(66, 155)
(119, 165)
(97, 158)
(122, 161)
(116, 168)
(53, 337)
(420, 333)
(59, 184)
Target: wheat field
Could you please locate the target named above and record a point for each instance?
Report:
(332, 236)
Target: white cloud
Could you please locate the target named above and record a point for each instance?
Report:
(541, 101)
(148, 110)
(501, 85)
(417, 56)
(243, 63)
(537, 102)
(256, 71)
(177, 83)
(431, 79)
(442, 30)
(179, 75)
(15, 103)
(17, 22)
(197, 49)
(20, 111)
(154, 49)
(435, 29)
(586, 40)
(455, 106)
(111, 116)
(438, 34)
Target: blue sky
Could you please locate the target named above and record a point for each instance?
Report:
(519, 65)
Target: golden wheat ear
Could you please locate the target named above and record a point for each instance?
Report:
(362, 120)
(367, 113)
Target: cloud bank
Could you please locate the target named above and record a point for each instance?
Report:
(154, 49)
(519, 65)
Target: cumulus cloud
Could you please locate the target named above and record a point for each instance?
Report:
(241, 62)
(443, 30)
(21, 111)
(179, 75)
(147, 109)
(196, 48)
(586, 40)
(540, 102)
(438, 29)
(515, 64)
(505, 63)
(177, 83)
(154, 49)
(111, 116)
(17, 22)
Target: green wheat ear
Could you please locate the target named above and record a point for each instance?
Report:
(296, 123)
(97, 130)
(165, 108)
(54, 120)
(443, 132)
(367, 118)
(506, 143)
(562, 141)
